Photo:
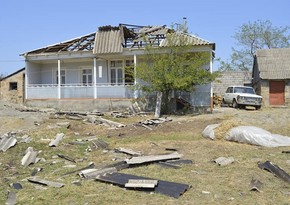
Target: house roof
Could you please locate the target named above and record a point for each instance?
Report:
(273, 63)
(83, 43)
(109, 39)
(8, 76)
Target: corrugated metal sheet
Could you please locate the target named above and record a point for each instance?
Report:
(108, 42)
(274, 63)
(167, 188)
(177, 39)
(6, 142)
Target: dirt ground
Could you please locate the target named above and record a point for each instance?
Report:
(210, 184)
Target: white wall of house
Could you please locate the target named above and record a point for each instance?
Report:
(46, 73)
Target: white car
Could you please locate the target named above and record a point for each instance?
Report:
(241, 96)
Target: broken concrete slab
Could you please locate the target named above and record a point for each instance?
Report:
(57, 139)
(29, 157)
(275, 169)
(223, 161)
(7, 142)
(144, 183)
(45, 182)
(167, 188)
(153, 158)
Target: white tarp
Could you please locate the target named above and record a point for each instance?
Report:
(250, 135)
(208, 132)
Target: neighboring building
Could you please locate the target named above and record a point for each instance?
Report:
(12, 87)
(231, 78)
(88, 72)
(271, 76)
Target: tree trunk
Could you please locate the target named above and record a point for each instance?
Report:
(158, 104)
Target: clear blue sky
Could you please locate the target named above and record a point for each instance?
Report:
(31, 24)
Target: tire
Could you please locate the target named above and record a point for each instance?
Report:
(223, 103)
(235, 104)
(258, 107)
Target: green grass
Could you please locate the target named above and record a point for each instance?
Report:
(226, 185)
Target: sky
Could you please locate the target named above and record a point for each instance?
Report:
(31, 24)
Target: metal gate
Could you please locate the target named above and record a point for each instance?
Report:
(277, 93)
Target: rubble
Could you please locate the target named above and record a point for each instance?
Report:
(275, 169)
(57, 139)
(7, 142)
(223, 161)
(153, 158)
(29, 157)
(11, 198)
(167, 188)
(40, 181)
(255, 185)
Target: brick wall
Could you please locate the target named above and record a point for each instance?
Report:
(230, 78)
(12, 88)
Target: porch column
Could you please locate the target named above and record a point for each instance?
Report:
(135, 75)
(211, 90)
(26, 80)
(58, 78)
(95, 78)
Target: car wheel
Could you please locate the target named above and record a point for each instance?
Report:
(258, 107)
(235, 104)
(223, 104)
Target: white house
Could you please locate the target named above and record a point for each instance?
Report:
(88, 71)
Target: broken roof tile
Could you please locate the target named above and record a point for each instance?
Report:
(147, 159)
(29, 157)
(57, 139)
(38, 180)
(6, 142)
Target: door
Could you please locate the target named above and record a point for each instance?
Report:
(277, 93)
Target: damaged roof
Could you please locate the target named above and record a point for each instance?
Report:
(109, 40)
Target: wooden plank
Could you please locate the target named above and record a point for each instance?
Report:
(147, 159)
(139, 183)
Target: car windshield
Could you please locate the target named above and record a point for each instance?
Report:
(244, 90)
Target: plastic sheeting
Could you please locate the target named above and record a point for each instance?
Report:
(256, 136)
(208, 132)
(250, 135)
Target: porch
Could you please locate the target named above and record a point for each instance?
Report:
(71, 91)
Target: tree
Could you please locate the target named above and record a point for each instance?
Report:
(257, 35)
(173, 68)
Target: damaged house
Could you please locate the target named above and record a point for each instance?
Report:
(88, 72)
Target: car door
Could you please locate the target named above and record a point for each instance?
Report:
(228, 95)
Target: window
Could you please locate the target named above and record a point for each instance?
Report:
(13, 86)
(117, 72)
(87, 78)
(62, 77)
(129, 71)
